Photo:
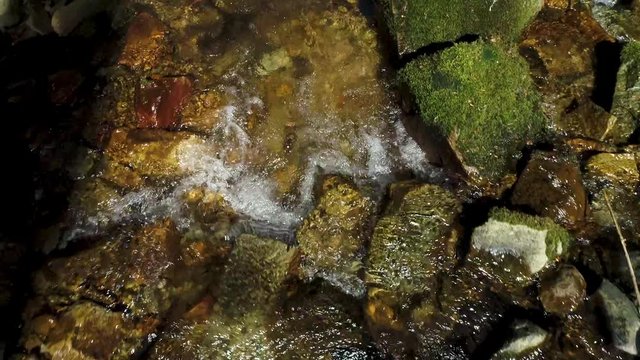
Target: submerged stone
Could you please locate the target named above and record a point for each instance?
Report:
(418, 23)
(512, 247)
(526, 338)
(619, 17)
(486, 119)
(333, 236)
(562, 292)
(551, 185)
(144, 43)
(159, 103)
(622, 317)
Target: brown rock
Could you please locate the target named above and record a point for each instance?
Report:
(63, 86)
(551, 185)
(563, 291)
(144, 43)
(159, 103)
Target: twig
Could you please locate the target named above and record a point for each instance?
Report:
(624, 247)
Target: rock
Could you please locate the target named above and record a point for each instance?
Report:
(159, 103)
(204, 111)
(9, 13)
(626, 100)
(621, 315)
(568, 83)
(416, 24)
(618, 17)
(486, 141)
(144, 43)
(333, 236)
(526, 338)
(88, 331)
(562, 292)
(135, 156)
(551, 185)
(68, 17)
(512, 247)
(253, 281)
(210, 211)
(413, 242)
(617, 175)
(63, 87)
(452, 322)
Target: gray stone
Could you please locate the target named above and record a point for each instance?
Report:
(527, 337)
(621, 315)
(9, 13)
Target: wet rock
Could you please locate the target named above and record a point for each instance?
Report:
(512, 247)
(487, 141)
(159, 103)
(333, 236)
(416, 24)
(626, 100)
(204, 111)
(562, 292)
(210, 210)
(135, 156)
(412, 244)
(526, 338)
(9, 13)
(618, 17)
(144, 43)
(87, 331)
(451, 323)
(253, 281)
(551, 185)
(617, 175)
(68, 17)
(568, 83)
(621, 315)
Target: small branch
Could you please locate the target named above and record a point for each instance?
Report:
(624, 247)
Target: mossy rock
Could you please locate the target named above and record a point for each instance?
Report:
(626, 101)
(482, 99)
(512, 247)
(418, 23)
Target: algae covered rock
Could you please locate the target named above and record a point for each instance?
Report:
(413, 242)
(487, 119)
(417, 23)
(332, 237)
(512, 247)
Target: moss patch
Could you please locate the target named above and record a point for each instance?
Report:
(482, 99)
(417, 23)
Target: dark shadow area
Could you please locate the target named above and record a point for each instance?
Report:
(607, 64)
(435, 48)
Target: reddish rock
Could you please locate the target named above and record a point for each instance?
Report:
(551, 185)
(159, 103)
(63, 86)
(144, 43)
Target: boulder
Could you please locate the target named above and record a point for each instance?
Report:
(419, 23)
(486, 119)
(333, 236)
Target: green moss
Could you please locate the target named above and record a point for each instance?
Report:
(558, 239)
(482, 99)
(631, 53)
(417, 23)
